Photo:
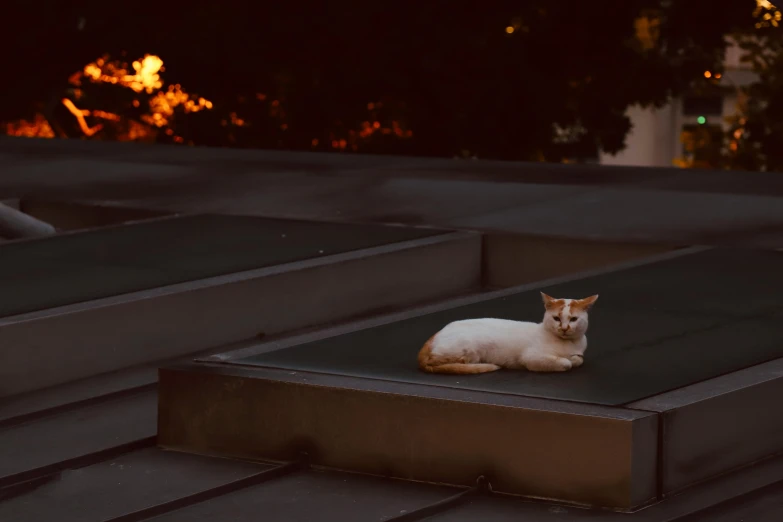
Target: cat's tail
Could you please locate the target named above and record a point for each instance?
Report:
(425, 355)
(462, 368)
(431, 364)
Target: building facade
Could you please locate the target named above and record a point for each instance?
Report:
(656, 137)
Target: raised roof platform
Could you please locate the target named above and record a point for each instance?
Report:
(123, 295)
(675, 334)
(73, 268)
(656, 327)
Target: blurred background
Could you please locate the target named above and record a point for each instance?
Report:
(696, 83)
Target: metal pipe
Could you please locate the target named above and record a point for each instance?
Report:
(15, 224)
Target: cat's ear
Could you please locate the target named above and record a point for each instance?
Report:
(587, 303)
(548, 300)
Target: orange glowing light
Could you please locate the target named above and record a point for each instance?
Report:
(80, 114)
(509, 30)
(142, 77)
(105, 115)
(146, 75)
(38, 128)
(707, 74)
(157, 106)
(368, 128)
(236, 120)
(718, 76)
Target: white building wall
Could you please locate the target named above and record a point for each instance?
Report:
(654, 140)
(649, 143)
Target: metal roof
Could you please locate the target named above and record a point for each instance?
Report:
(85, 450)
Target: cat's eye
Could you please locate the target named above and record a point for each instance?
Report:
(556, 318)
(573, 319)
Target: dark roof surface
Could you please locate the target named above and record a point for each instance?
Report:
(664, 205)
(73, 268)
(649, 332)
(84, 451)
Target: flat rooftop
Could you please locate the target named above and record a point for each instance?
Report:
(655, 328)
(692, 329)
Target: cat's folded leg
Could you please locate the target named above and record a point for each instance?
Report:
(547, 363)
(576, 360)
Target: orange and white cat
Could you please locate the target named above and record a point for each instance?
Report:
(556, 344)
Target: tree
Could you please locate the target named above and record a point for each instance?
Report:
(515, 80)
(756, 133)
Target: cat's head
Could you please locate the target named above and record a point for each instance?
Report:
(567, 318)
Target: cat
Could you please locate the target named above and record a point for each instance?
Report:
(556, 344)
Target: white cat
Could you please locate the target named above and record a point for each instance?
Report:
(556, 344)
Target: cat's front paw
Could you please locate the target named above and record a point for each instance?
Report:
(549, 363)
(576, 361)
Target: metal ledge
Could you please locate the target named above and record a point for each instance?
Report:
(58, 345)
(515, 259)
(538, 448)
(718, 425)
